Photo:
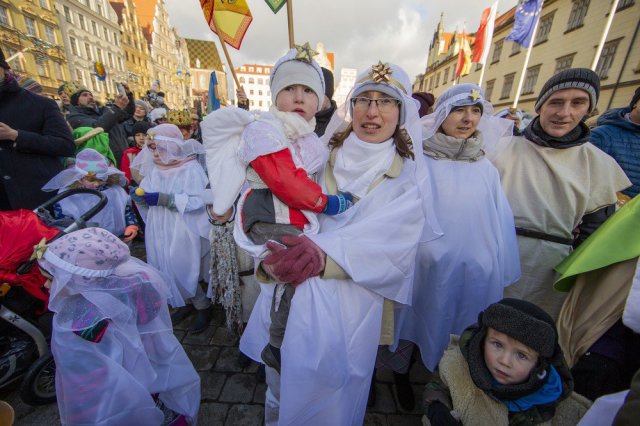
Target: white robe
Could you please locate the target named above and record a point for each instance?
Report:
(550, 190)
(334, 325)
(111, 217)
(461, 273)
(177, 241)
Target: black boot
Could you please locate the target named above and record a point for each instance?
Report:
(201, 321)
(181, 314)
(404, 391)
(372, 391)
(271, 357)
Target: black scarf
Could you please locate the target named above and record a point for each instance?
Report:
(579, 135)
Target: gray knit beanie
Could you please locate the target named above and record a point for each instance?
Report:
(572, 78)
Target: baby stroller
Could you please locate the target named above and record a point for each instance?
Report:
(26, 329)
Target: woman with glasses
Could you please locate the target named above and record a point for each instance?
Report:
(361, 261)
(459, 275)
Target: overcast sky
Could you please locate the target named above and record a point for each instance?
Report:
(359, 32)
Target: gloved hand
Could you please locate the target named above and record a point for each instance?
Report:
(439, 414)
(337, 204)
(151, 198)
(130, 232)
(135, 197)
(302, 259)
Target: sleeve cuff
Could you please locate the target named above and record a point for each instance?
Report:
(333, 271)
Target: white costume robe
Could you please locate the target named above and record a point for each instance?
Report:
(111, 217)
(334, 325)
(177, 241)
(461, 273)
(550, 190)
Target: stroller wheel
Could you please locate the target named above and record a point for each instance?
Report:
(38, 386)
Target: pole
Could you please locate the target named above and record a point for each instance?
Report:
(526, 59)
(481, 76)
(224, 49)
(612, 12)
(290, 22)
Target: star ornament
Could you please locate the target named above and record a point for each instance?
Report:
(305, 53)
(474, 94)
(39, 249)
(381, 73)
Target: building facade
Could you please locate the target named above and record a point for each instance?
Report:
(255, 80)
(347, 81)
(568, 35)
(203, 60)
(31, 39)
(135, 47)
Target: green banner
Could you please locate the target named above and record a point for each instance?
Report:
(275, 5)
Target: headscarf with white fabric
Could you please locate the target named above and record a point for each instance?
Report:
(88, 162)
(112, 334)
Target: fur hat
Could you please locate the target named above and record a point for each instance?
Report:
(297, 67)
(157, 113)
(141, 127)
(572, 78)
(143, 104)
(426, 102)
(328, 82)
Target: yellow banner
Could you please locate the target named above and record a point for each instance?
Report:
(232, 18)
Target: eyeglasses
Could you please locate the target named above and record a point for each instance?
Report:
(361, 103)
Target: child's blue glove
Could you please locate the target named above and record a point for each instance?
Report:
(337, 204)
(159, 199)
(135, 197)
(151, 198)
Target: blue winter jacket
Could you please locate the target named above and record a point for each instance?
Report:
(620, 138)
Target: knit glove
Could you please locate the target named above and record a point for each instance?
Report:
(302, 259)
(158, 199)
(439, 414)
(130, 232)
(337, 204)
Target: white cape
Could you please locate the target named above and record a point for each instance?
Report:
(334, 325)
(461, 273)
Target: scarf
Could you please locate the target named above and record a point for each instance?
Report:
(294, 124)
(359, 164)
(548, 393)
(441, 147)
(579, 135)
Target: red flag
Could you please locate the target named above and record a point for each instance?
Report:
(484, 34)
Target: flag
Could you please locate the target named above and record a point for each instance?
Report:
(275, 5)
(214, 99)
(484, 35)
(233, 19)
(464, 57)
(526, 18)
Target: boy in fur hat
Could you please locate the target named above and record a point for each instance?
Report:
(507, 369)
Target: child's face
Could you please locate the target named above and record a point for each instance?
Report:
(509, 361)
(160, 151)
(299, 99)
(91, 182)
(140, 138)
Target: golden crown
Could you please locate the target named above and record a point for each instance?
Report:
(179, 118)
(73, 87)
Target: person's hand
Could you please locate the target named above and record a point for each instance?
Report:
(126, 88)
(337, 204)
(242, 96)
(151, 198)
(130, 232)
(133, 193)
(302, 259)
(223, 218)
(8, 133)
(121, 101)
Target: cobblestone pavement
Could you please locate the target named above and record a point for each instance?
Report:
(233, 394)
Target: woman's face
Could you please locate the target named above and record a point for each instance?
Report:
(375, 122)
(462, 122)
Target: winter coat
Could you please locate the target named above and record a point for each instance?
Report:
(620, 138)
(323, 117)
(35, 157)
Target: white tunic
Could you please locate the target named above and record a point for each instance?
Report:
(461, 273)
(550, 190)
(177, 241)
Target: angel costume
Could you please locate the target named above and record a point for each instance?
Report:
(117, 360)
(335, 321)
(459, 275)
(177, 236)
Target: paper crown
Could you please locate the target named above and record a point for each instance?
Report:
(73, 87)
(179, 118)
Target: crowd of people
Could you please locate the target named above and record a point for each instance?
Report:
(499, 249)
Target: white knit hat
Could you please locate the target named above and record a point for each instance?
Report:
(293, 69)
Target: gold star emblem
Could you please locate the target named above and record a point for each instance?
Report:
(39, 249)
(305, 53)
(475, 94)
(381, 73)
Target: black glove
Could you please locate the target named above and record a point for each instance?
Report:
(440, 415)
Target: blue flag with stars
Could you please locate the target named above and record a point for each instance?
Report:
(526, 17)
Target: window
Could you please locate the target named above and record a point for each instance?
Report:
(99, 6)
(242, 80)
(260, 81)
(488, 91)
(31, 25)
(624, 3)
(81, 20)
(80, 77)
(251, 80)
(259, 103)
(497, 51)
(252, 103)
(251, 92)
(106, 34)
(515, 48)
(259, 71)
(57, 69)
(251, 69)
(111, 63)
(530, 79)
(44, 4)
(87, 49)
(67, 14)
(564, 63)
(445, 76)
(74, 46)
(51, 35)
(606, 58)
(260, 92)
(544, 28)
(578, 12)
(99, 55)
(4, 16)
(507, 86)
(95, 28)
(42, 67)
(437, 79)
(17, 64)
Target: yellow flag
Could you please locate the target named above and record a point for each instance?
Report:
(232, 18)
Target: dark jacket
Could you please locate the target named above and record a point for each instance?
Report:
(110, 118)
(620, 138)
(323, 117)
(43, 139)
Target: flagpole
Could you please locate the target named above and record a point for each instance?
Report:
(612, 12)
(224, 49)
(481, 76)
(526, 59)
(290, 22)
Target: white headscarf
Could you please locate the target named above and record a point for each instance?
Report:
(88, 161)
